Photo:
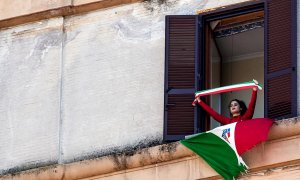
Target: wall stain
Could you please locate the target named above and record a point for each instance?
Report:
(121, 160)
(270, 171)
(43, 166)
(64, 173)
(126, 151)
(159, 2)
(171, 147)
(120, 156)
(159, 5)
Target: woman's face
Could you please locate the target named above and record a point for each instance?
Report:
(234, 107)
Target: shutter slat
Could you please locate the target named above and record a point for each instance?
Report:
(278, 99)
(280, 95)
(279, 35)
(181, 115)
(182, 52)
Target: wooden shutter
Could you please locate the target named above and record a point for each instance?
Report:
(280, 64)
(181, 75)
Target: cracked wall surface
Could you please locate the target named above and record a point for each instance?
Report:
(29, 100)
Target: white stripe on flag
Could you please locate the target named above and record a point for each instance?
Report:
(222, 131)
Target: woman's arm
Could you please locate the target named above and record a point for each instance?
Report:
(221, 119)
(250, 111)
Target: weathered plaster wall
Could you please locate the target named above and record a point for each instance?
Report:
(30, 91)
(113, 81)
(85, 85)
(113, 78)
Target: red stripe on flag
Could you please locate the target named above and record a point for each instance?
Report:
(249, 133)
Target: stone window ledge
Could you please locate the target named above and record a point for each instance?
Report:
(281, 150)
(15, 12)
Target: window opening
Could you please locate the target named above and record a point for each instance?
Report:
(236, 47)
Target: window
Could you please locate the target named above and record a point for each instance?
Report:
(235, 54)
(189, 66)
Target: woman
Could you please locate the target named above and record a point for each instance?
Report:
(251, 131)
(238, 110)
(240, 132)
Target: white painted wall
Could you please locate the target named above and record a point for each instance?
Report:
(114, 77)
(110, 95)
(30, 92)
(113, 81)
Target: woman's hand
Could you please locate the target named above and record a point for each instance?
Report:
(196, 100)
(256, 82)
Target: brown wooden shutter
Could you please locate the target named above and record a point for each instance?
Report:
(280, 66)
(181, 73)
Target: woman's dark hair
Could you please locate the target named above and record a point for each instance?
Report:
(242, 106)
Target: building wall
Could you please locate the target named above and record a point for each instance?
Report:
(30, 67)
(112, 81)
(86, 85)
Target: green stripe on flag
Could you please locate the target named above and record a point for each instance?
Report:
(217, 153)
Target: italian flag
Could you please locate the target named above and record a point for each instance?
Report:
(234, 87)
(221, 147)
